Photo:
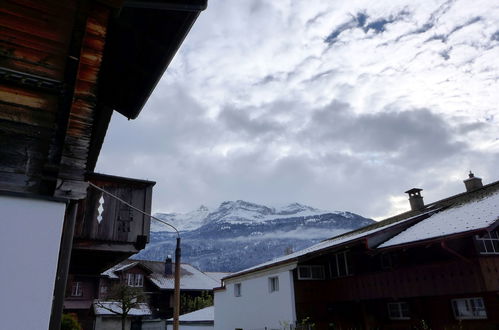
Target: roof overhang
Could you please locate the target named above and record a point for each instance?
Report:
(142, 39)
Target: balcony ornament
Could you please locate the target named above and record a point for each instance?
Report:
(100, 208)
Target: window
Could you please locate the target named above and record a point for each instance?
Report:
(237, 290)
(76, 289)
(488, 243)
(398, 311)
(136, 280)
(273, 284)
(469, 308)
(340, 266)
(310, 272)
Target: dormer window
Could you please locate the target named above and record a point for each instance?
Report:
(488, 243)
(135, 280)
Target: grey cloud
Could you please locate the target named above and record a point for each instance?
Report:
(432, 20)
(360, 20)
(445, 37)
(240, 120)
(401, 135)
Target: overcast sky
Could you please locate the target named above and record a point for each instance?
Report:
(341, 105)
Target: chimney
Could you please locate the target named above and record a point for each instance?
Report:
(168, 265)
(473, 182)
(415, 199)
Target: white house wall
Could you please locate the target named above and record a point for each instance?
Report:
(257, 307)
(30, 237)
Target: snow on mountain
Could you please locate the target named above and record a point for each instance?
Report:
(182, 221)
(239, 234)
(233, 212)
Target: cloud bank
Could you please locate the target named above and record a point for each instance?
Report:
(338, 105)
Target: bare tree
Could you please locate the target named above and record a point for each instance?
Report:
(122, 298)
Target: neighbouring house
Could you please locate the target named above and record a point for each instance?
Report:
(65, 67)
(202, 319)
(433, 267)
(105, 319)
(155, 278)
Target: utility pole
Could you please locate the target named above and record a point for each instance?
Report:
(176, 292)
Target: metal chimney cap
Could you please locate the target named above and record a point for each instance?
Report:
(413, 191)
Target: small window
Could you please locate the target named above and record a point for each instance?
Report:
(488, 243)
(135, 280)
(398, 311)
(310, 272)
(469, 308)
(340, 266)
(237, 290)
(76, 289)
(273, 284)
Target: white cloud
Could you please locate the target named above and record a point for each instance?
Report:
(258, 106)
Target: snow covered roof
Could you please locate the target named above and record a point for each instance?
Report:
(201, 315)
(106, 307)
(473, 215)
(191, 278)
(326, 244)
(461, 213)
(217, 276)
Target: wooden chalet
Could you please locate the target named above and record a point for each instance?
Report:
(65, 67)
(434, 267)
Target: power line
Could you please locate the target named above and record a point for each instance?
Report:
(133, 207)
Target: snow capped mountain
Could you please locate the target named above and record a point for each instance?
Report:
(233, 212)
(182, 221)
(241, 234)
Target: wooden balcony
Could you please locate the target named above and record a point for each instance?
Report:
(108, 231)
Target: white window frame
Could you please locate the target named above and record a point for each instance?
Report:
(401, 309)
(488, 243)
(273, 284)
(76, 289)
(469, 308)
(135, 280)
(311, 269)
(237, 289)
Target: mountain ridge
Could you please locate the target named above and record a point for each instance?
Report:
(240, 234)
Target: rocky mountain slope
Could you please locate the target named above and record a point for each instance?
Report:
(240, 234)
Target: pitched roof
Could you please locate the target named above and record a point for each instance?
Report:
(201, 315)
(106, 308)
(191, 278)
(464, 212)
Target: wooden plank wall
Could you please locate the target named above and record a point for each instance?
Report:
(119, 222)
(34, 37)
(81, 117)
(42, 136)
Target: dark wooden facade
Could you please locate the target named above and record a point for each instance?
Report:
(108, 231)
(425, 277)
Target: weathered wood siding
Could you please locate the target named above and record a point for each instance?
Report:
(34, 39)
(50, 57)
(35, 35)
(79, 130)
(119, 222)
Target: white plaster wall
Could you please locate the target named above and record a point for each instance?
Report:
(256, 308)
(30, 235)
